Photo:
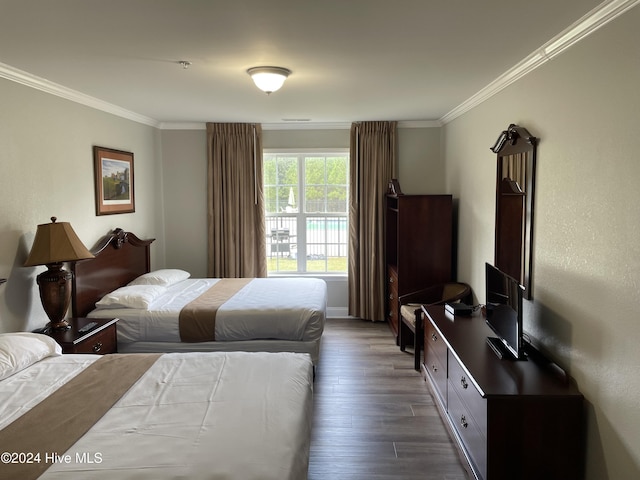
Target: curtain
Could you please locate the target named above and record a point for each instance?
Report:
(514, 168)
(235, 212)
(373, 160)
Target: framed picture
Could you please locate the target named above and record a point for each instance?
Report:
(114, 181)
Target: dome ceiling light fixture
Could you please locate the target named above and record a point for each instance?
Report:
(269, 79)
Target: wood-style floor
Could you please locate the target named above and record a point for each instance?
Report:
(374, 417)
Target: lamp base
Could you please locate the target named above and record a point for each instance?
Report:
(62, 325)
(55, 293)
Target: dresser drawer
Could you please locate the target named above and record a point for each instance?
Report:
(474, 442)
(438, 374)
(393, 304)
(470, 396)
(434, 343)
(101, 343)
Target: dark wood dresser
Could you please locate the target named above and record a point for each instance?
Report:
(511, 419)
(418, 245)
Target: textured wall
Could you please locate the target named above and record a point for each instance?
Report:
(583, 105)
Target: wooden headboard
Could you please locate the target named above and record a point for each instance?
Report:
(119, 258)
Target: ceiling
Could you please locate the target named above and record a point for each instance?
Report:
(406, 60)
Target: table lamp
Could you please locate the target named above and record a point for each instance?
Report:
(54, 244)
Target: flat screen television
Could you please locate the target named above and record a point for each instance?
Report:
(504, 313)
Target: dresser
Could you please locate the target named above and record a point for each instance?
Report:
(510, 419)
(418, 248)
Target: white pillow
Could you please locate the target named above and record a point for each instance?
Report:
(132, 296)
(165, 277)
(22, 349)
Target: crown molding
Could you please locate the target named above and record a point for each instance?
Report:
(300, 125)
(589, 23)
(29, 80)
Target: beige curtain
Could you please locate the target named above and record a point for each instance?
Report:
(514, 168)
(373, 160)
(235, 212)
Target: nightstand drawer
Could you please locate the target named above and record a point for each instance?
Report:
(88, 335)
(101, 343)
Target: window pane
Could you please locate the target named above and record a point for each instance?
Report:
(337, 170)
(336, 199)
(270, 204)
(314, 199)
(307, 233)
(314, 170)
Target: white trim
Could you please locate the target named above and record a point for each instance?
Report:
(44, 85)
(300, 125)
(592, 21)
(303, 151)
(589, 23)
(183, 126)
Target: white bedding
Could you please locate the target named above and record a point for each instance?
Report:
(290, 309)
(199, 415)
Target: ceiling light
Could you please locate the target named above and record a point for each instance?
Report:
(269, 79)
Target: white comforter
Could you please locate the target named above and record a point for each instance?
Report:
(197, 416)
(291, 309)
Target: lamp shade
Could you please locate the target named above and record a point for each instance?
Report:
(56, 243)
(269, 79)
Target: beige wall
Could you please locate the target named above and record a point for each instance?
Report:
(583, 105)
(46, 169)
(184, 165)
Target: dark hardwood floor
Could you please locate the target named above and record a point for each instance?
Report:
(374, 418)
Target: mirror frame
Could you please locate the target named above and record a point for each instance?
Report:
(514, 205)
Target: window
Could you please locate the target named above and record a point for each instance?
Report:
(306, 202)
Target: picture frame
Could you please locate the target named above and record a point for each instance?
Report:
(114, 181)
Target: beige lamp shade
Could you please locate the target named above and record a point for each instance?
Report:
(56, 243)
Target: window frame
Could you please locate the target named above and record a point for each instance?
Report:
(301, 216)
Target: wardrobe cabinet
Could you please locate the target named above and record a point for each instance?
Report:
(418, 246)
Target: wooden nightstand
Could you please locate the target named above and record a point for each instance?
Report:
(101, 339)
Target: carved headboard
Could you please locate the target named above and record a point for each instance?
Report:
(119, 258)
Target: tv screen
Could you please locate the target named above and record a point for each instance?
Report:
(504, 310)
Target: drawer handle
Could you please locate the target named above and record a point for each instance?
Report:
(391, 296)
(391, 314)
(463, 382)
(434, 368)
(463, 422)
(97, 347)
(434, 337)
(390, 279)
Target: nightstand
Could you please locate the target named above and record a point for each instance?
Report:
(100, 339)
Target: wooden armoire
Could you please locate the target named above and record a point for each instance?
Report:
(419, 237)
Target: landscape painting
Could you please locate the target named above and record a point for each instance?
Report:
(113, 181)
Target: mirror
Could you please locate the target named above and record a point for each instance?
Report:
(515, 182)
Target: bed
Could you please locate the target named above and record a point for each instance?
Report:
(214, 415)
(260, 314)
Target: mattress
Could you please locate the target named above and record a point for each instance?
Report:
(289, 309)
(199, 415)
